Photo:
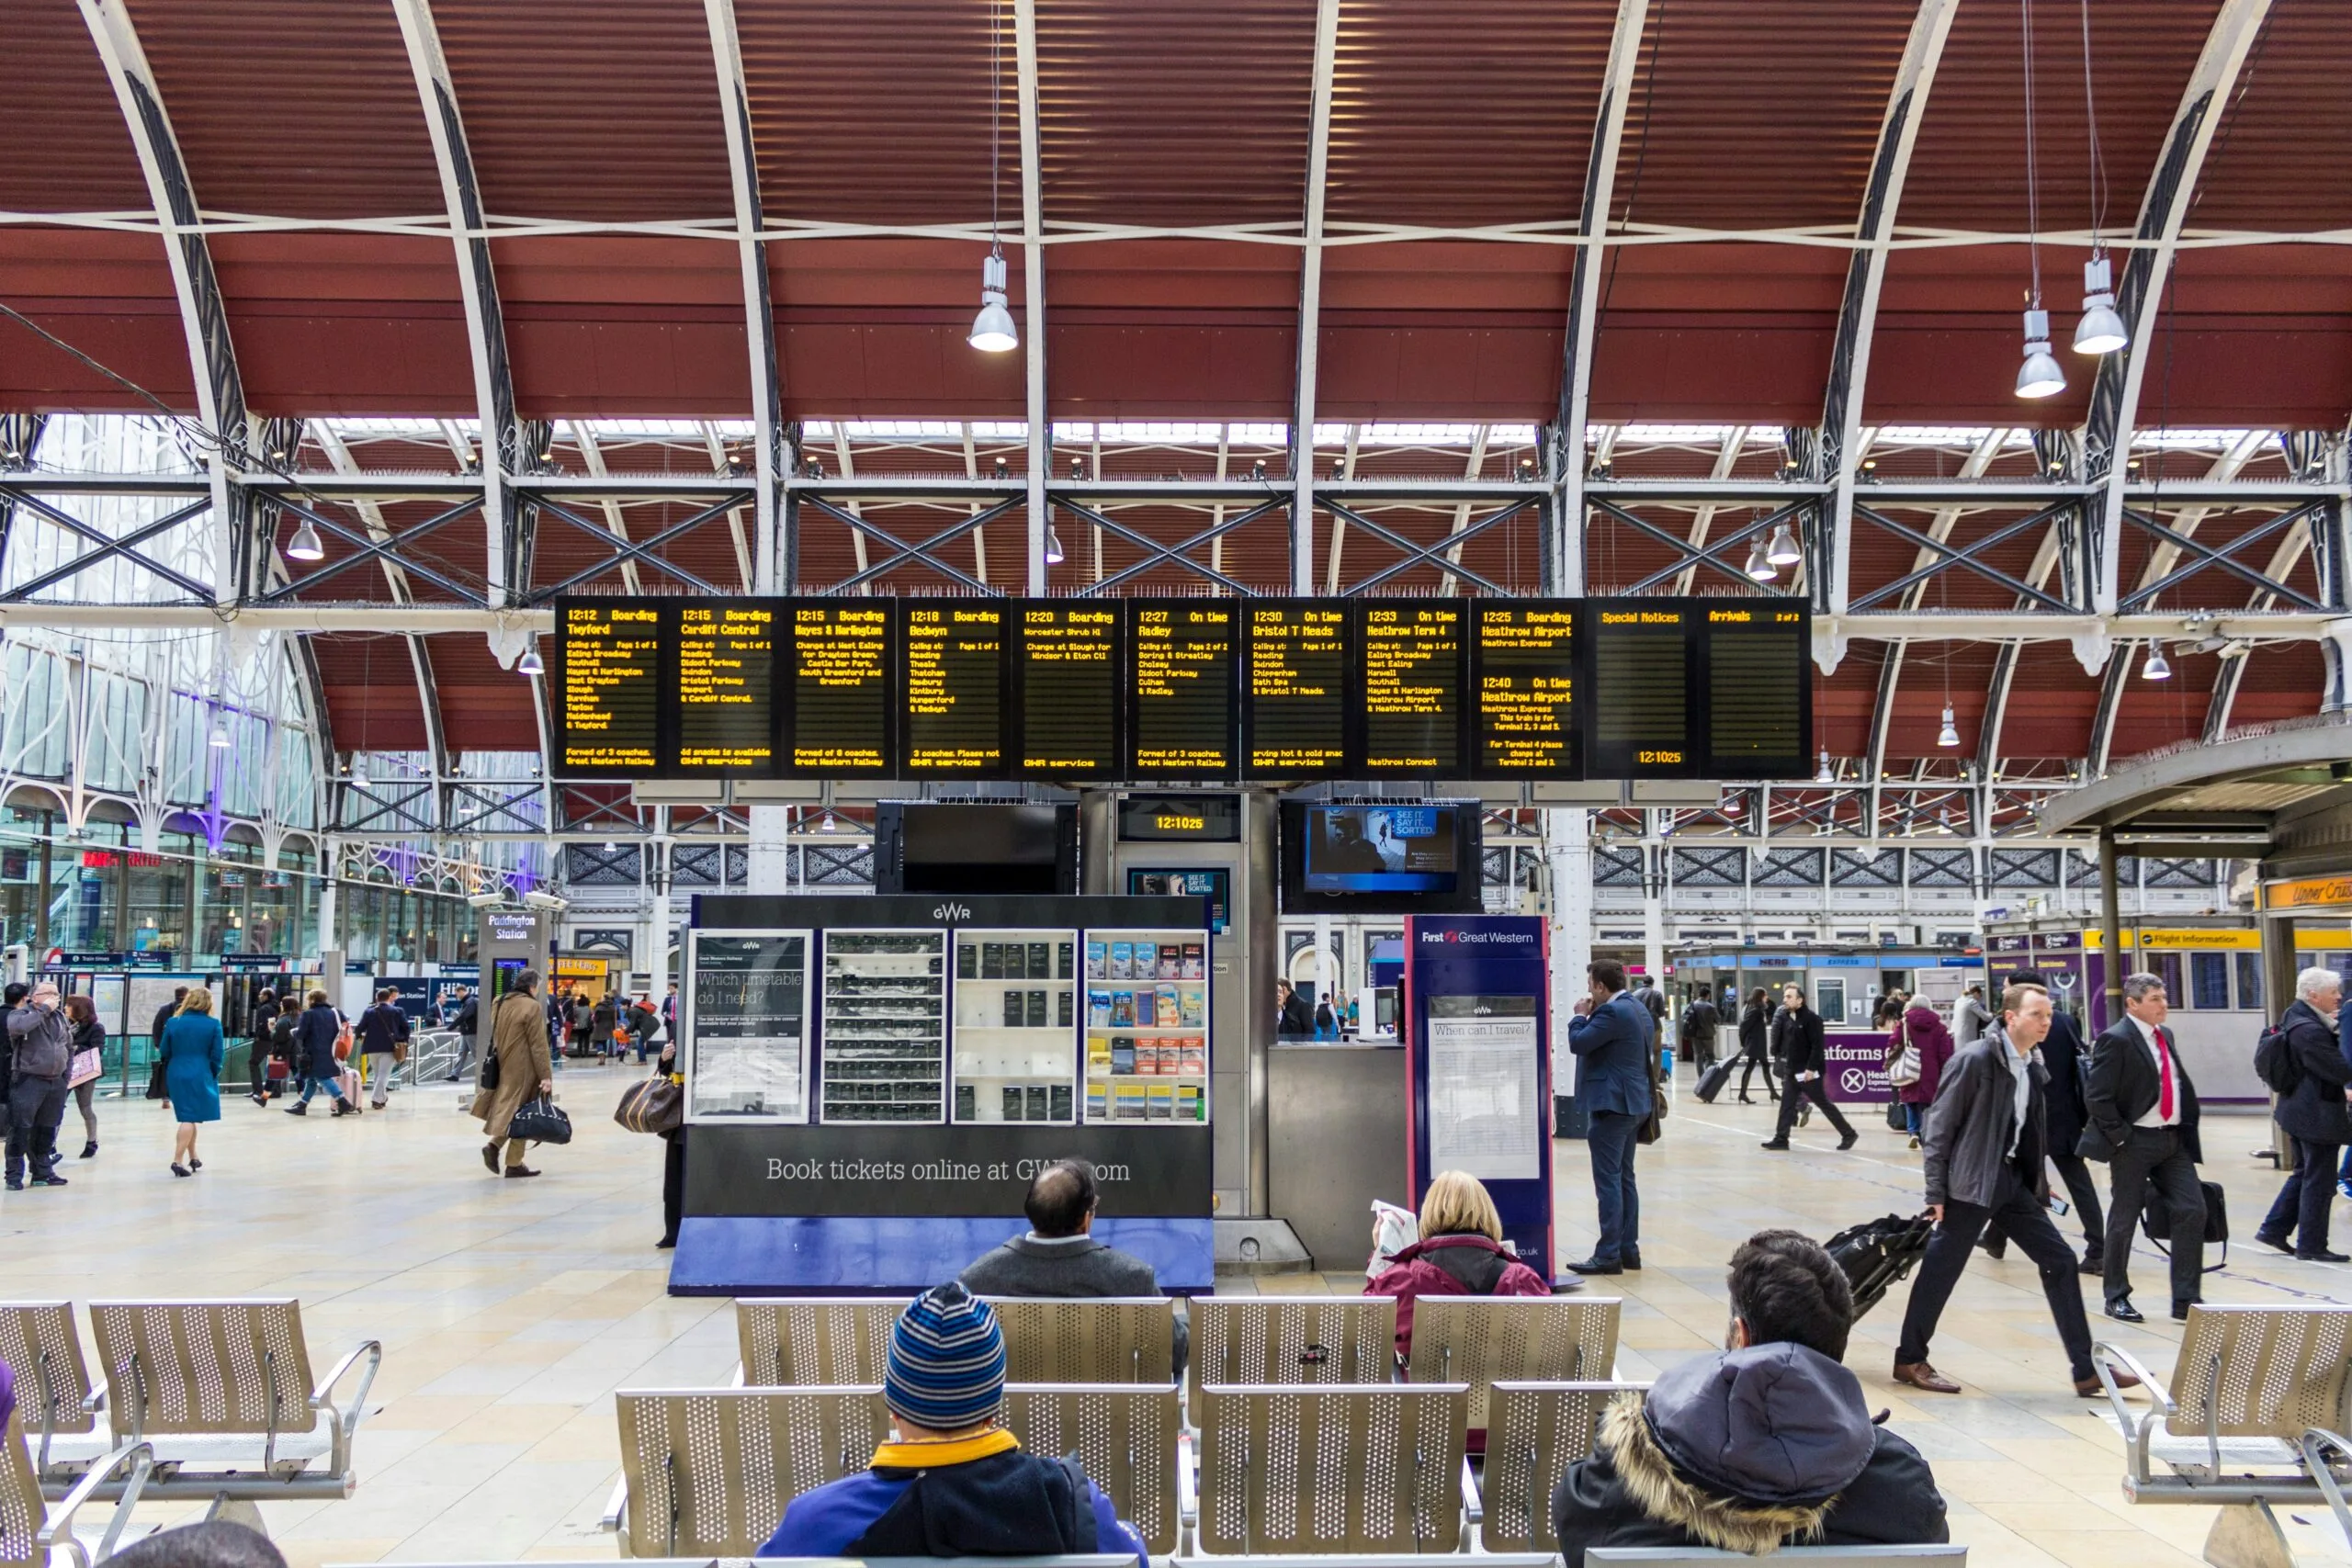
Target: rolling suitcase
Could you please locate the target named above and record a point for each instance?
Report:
(1880, 1254)
(1712, 1081)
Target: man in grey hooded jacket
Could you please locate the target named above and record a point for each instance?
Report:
(41, 1049)
(1769, 1443)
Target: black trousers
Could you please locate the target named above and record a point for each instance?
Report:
(2154, 1159)
(1817, 1090)
(2302, 1209)
(674, 1182)
(2083, 1192)
(36, 1109)
(1746, 1069)
(2021, 1217)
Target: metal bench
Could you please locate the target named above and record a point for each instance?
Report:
(1097, 1560)
(1329, 1468)
(818, 1342)
(1483, 1339)
(33, 1535)
(1100, 1339)
(53, 1386)
(1288, 1340)
(1832, 1556)
(1536, 1430)
(2251, 1385)
(223, 1390)
(1124, 1437)
(709, 1470)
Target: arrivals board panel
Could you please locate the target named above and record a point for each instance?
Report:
(1182, 719)
(1208, 690)
(1299, 657)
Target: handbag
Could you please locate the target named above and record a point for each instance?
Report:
(657, 1105)
(85, 1066)
(2155, 1221)
(540, 1121)
(1653, 1126)
(1907, 1067)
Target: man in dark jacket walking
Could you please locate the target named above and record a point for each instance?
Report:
(2143, 1113)
(1612, 1041)
(1700, 1021)
(383, 1033)
(1059, 1259)
(1986, 1136)
(1802, 1068)
(315, 1033)
(1768, 1443)
(2062, 1054)
(2314, 1114)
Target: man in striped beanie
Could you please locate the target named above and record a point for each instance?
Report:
(951, 1481)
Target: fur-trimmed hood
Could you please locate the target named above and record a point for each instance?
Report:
(1743, 1449)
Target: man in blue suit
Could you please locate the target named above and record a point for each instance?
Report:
(1610, 1039)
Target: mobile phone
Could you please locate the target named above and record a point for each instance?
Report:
(2058, 1206)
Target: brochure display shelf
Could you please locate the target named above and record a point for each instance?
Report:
(1016, 1026)
(1147, 1038)
(883, 1026)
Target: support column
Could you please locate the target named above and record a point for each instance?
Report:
(1258, 895)
(328, 933)
(1567, 859)
(770, 860)
(2110, 924)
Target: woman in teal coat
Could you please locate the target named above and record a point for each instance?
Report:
(193, 1052)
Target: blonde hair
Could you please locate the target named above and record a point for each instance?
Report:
(198, 1000)
(1456, 1202)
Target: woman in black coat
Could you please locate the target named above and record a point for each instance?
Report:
(315, 1033)
(1755, 1043)
(2315, 1115)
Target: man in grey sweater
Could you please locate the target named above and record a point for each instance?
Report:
(41, 1049)
(1059, 1257)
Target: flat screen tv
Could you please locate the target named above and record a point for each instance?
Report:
(1403, 858)
(954, 846)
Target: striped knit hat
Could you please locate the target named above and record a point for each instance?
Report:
(946, 1368)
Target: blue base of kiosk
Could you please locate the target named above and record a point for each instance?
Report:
(842, 1255)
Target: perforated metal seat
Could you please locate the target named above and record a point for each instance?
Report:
(1288, 1340)
(55, 1394)
(1829, 1556)
(709, 1470)
(1101, 1339)
(222, 1389)
(34, 1535)
(1325, 1469)
(1124, 1437)
(1535, 1430)
(2246, 1422)
(820, 1342)
(1481, 1340)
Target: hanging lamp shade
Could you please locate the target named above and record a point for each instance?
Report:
(305, 545)
(530, 663)
(2039, 377)
(1950, 734)
(1783, 550)
(992, 329)
(2156, 667)
(1759, 565)
(2100, 331)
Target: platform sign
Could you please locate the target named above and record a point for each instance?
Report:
(1181, 717)
(952, 701)
(608, 665)
(1067, 700)
(1297, 688)
(1410, 674)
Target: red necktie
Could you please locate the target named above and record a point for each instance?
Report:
(2164, 1078)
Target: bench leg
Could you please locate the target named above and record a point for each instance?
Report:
(2247, 1535)
(243, 1511)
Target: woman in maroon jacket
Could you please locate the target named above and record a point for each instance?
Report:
(1460, 1254)
(1921, 1026)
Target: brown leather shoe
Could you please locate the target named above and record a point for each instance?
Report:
(2090, 1387)
(1921, 1376)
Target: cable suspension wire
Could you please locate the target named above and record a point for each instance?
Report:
(2032, 166)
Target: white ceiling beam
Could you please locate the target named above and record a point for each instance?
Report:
(1703, 522)
(591, 457)
(775, 455)
(1033, 268)
(1310, 301)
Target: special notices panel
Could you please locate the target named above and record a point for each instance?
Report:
(1644, 689)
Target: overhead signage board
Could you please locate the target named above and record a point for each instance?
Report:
(1067, 689)
(1523, 718)
(1296, 698)
(724, 687)
(1182, 721)
(839, 671)
(952, 694)
(608, 672)
(1410, 658)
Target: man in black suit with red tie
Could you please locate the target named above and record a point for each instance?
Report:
(2143, 1115)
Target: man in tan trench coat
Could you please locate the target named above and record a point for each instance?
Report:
(518, 1039)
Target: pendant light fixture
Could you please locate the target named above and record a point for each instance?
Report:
(992, 329)
(531, 663)
(1783, 550)
(1824, 773)
(1950, 734)
(2155, 667)
(358, 773)
(305, 545)
(219, 741)
(2039, 377)
(1053, 546)
(2101, 330)
(1759, 566)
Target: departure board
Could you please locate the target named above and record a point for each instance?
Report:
(1068, 688)
(1759, 693)
(951, 709)
(840, 660)
(1181, 722)
(1523, 677)
(1294, 688)
(609, 717)
(1409, 653)
(1641, 693)
(725, 687)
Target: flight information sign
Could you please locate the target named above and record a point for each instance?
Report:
(1643, 691)
(952, 702)
(724, 687)
(838, 654)
(1067, 700)
(1759, 693)
(1180, 718)
(1409, 659)
(1523, 713)
(1294, 708)
(609, 654)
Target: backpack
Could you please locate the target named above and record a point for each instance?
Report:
(2274, 1061)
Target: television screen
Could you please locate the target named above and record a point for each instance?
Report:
(956, 848)
(1415, 858)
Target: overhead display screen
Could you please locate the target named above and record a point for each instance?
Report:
(1068, 703)
(951, 707)
(724, 687)
(1641, 694)
(1759, 693)
(1523, 717)
(839, 656)
(1409, 651)
(1182, 719)
(609, 653)
(1295, 684)
(1183, 691)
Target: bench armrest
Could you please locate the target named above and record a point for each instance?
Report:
(346, 1421)
(57, 1530)
(1473, 1506)
(2316, 1442)
(2105, 1359)
(615, 1516)
(1188, 1494)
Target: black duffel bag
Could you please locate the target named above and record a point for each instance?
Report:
(2155, 1222)
(1876, 1255)
(540, 1121)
